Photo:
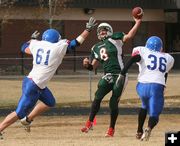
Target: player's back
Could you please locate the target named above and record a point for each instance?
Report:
(46, 59)
(153, 65)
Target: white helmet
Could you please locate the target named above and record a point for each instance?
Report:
(107, 27)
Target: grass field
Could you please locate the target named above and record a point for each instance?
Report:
(76, 90)
(65, 130)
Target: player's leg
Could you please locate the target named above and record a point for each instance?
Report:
(117, 90)
(143, 95)
(141, 119)
(104, 87)
(10, 119)
(25, 103)
(48, 101)
(114, 111)
(156, 103)
(37, 110)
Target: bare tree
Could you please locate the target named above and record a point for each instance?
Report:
(53, 5)
(7, 4)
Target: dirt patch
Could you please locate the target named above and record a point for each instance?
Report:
(65, 131)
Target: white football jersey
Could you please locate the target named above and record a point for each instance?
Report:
(46, 59)
(153, 65)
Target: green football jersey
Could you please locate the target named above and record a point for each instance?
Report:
(109, 53)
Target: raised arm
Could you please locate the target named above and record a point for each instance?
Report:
(132, 60)
(25, 46)
(133, 30)
(81, 38)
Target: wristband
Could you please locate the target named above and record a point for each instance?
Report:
(80, 39)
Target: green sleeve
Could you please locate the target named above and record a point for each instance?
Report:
(118, 36)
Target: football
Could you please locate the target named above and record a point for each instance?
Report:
(137, 12)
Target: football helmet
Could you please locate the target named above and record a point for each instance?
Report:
(51, 35)
(104, 26)
(154, 43)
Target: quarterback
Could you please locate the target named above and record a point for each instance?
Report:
(108, 52)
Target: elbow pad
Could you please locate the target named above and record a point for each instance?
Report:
(24, 46)
(73, 44)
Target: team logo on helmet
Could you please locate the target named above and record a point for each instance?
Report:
(104, 26)
(51, 35)
(154, 43)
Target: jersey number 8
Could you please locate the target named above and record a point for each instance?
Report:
(104, 55)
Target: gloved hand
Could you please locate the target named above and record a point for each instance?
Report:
(87, 64)
(35, 35)
(91, 24)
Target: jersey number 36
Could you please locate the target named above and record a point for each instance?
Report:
(157, 63)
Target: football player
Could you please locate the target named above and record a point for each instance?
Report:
(108, 52)
(154, 66)
(47, 56)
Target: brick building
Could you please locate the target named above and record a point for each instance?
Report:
(22, 17)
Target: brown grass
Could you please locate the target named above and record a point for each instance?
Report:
(76, 90)
(65, 131)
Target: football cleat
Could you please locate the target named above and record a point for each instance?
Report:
(146, 134)
(110, 132)
(26, 124)
(88, 126)
(139, 135)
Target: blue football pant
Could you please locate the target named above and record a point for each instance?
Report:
(152, 97)
(31, 93)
